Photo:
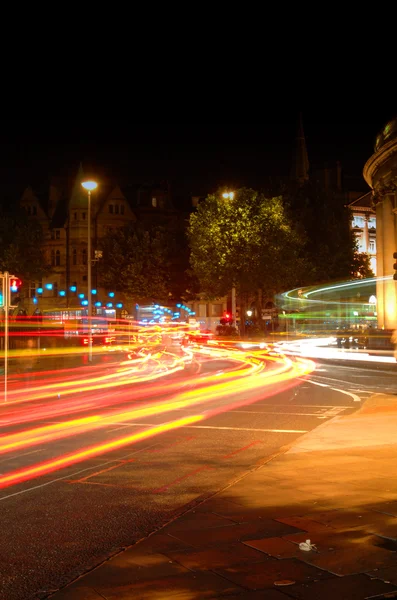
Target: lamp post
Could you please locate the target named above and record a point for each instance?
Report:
(89, 186)
(230, 196)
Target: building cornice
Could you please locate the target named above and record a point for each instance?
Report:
(378, 159)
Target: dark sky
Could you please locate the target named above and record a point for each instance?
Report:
(196, 158)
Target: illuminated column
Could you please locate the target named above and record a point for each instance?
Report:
(380, 305)
(389, 247)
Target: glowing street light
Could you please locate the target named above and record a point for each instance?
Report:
(89, 186)
(249, 313)
(228, 195)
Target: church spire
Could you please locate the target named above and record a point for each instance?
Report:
(300, 166)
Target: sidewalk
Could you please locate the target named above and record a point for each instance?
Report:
(336, 486)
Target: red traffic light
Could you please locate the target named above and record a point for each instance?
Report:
(227, 316)
(15, 284)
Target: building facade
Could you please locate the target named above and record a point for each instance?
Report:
(364, 226)
(380, 172)
(63, 216)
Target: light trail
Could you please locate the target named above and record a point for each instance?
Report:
(251, 377)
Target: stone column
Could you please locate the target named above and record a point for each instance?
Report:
(389, 247)
(380, 306)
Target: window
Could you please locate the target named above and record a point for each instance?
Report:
(83, 216)
(154, 202)
(32, 289)
(122, 209)
(372, 246)
(111, 209)
(116, 209)
(55, 289)
(372, 223)
(358, 221)
(57, 258)
(57, 234)
(74, 257)
(217, 310)
(84, 277)
(34, 210)
(53, 258)
(202, 311)
(84, 256)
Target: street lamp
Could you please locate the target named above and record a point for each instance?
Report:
(89, 186)
(249, 313)
(230, 196)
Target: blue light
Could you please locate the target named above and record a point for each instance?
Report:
(73, 288)
(119, 305)
(62, 293)
(156, 306)
(39, 290)
(93, 292)
(136, 306)
(98, 304)
(35, 301)
(84, 303)
(111, 294)
(179, 305)
(109, 305)
(81, 296)
(48, 286)
(193, 313)
(14, 288)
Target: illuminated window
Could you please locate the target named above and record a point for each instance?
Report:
(122, 209)
(154, 202)
(111, 209)
(84, 256)
(372, 246)
(74, 256)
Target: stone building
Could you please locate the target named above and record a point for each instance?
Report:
(380, 172)
(364, 226)
(63, 215)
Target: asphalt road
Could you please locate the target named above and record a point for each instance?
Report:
(61, 524)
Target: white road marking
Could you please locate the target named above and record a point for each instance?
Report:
(19, 455)
(227, 428)
(354, 396)
(70, 476)
(351, 394)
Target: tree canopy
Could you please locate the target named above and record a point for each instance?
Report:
(21, 245)
(331, 245)
(135, 262)
(248, 241)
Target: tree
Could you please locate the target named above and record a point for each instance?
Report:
(247, 241)
(330, 242)
(21, 245)
(135, 263)
(361, 266)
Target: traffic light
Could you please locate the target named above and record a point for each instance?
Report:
(395, 266)
(226, 319)
(15, 286)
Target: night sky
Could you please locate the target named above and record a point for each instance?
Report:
(195, 158)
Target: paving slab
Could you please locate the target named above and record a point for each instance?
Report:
(220, 557)
(233, 533)
(352, 587)
(264, 575)
(191, 586)
(387, 574)
(346, 553)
